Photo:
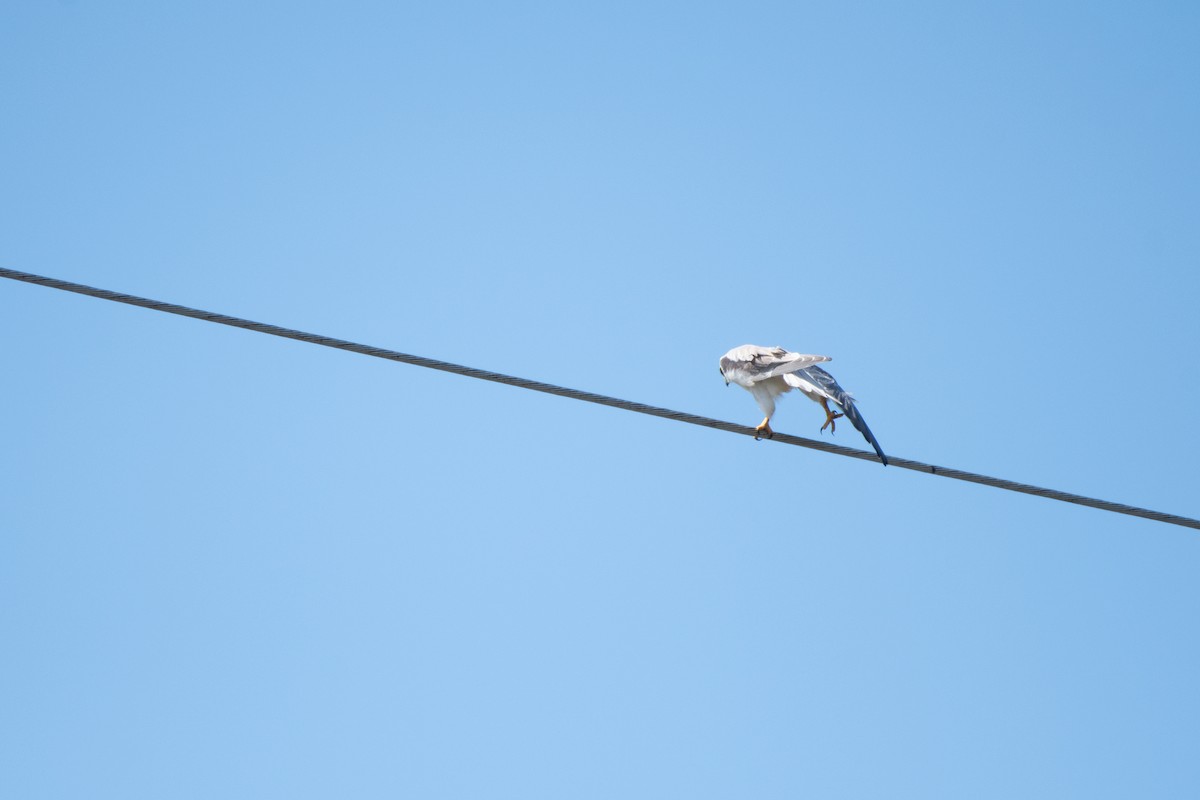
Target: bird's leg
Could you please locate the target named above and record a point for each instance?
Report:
(830, 416)
(764, 429)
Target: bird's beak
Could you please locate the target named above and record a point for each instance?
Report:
(726, 384)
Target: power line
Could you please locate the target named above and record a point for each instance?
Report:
(575, 394)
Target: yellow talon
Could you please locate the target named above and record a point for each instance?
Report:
(762, 429)
(830, 416)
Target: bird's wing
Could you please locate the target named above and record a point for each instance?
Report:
(752, 363)
(816, 381)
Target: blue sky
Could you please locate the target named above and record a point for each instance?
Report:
(238, 566)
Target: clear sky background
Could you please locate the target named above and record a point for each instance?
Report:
(237, 566)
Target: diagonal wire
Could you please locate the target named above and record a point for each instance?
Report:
(575, 394)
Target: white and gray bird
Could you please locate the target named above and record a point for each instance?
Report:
(767, 372)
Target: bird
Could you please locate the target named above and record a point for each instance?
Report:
(768, 372)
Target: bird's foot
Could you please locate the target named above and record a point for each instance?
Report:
(830, 416)
(763, 430)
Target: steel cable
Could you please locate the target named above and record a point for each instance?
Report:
(590, 397)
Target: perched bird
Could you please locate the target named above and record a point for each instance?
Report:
(767, 372)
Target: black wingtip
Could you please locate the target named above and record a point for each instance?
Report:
(857, 421)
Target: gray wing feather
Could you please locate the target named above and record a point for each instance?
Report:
(760, 363)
